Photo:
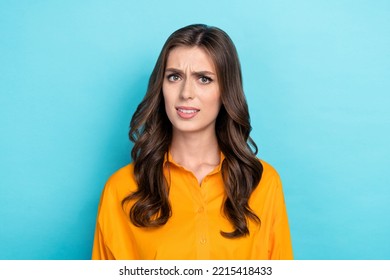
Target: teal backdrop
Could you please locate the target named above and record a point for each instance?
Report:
(316, 75)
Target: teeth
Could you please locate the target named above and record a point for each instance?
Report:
(187, 111)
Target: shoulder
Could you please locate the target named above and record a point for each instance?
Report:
(269, 172)
(270, 182)
(121, 182)
(125, 173)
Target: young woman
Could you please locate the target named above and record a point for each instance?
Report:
(195, 188)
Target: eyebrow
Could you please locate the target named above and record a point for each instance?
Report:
(196, 73)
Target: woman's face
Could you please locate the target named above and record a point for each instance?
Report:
(191, 90)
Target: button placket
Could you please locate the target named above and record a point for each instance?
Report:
(202, 236)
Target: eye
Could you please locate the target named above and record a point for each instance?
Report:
(173, 77)
(205, 79)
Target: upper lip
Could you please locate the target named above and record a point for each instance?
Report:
(187, 108)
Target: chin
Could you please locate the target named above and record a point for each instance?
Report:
(191, 128)
(185, 129)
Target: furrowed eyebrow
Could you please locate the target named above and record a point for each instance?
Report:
(198, 73)
(203, 73)
(174, 70)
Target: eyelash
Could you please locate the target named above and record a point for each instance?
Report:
(209, 80)
(175, 77)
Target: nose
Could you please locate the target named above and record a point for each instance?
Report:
(187, 90)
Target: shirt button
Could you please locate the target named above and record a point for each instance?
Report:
(201, 209)
(203, 241)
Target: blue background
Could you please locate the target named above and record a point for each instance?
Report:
(316, 75)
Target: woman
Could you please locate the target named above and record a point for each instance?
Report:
(195, 189)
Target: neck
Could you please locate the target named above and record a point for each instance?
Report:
(190, 149)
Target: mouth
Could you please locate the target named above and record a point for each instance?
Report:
(187, 112)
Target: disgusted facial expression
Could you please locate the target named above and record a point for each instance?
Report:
(191, 90)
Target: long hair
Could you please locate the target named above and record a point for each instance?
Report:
(151, 133)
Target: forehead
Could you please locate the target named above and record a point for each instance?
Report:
(194, 57)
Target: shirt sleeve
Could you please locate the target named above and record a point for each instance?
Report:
(280, 238)
(100, 251)
(113, 234)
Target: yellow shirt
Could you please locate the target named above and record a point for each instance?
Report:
(193, 231)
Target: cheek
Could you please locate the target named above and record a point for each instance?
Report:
(214, 99)
(168, 93)
(165, 94)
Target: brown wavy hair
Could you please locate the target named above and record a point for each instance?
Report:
(151, 133)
